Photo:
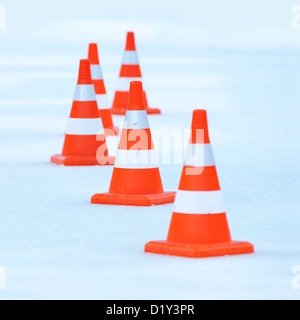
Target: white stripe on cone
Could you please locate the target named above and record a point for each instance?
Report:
(84, 92)
(199, 202)
(130, 58)
(123, 83)
(199, 155)
(85, 126)
(102, 101)
(96, 72)
(136, 119)
(136, 159)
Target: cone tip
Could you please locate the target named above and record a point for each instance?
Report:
(199, 122)
(130, 43)
(84, 74)
(93, 53)
(199, 119)
(136, 96)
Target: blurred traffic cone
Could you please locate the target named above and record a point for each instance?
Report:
(199, 225)
(101, 95)
(130, 71)
(84, 140)
(136, 178)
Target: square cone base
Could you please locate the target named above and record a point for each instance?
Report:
(81, 161)
(133, 200)
(199, 250)
(153, 111)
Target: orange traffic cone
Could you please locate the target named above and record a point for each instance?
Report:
(199, 226)
(130, 71)
(136, 178)
(84, 139)
(102, 99)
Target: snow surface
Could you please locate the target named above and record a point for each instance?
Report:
(55, 244)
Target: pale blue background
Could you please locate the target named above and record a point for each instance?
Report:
(237, 59)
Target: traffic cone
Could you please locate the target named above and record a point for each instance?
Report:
(136, 178)
(101, 95)
(199, 226)
(130, 71)
(85, 142)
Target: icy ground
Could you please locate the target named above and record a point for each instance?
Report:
(54, 244)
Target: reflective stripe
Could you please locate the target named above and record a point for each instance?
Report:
(136, 159)
(136, 119)
(85, 126)
(199, 155)
(84, 92)
(130, 57)
(102, 101)
(123, 83)
(199, 202)
(96, 72)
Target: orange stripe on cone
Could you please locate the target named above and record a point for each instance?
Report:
(84, 109)
(195, 229)
(101, 95)
(130, 71)
(99, 87)
(199, 226)
(206, 180)
(84, 140)
(136, 178)
(141, 185)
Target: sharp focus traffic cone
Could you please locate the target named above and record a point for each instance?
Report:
(85, 142)
(101, 95)
(136, 178)
(199, 226)
(130, 71)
